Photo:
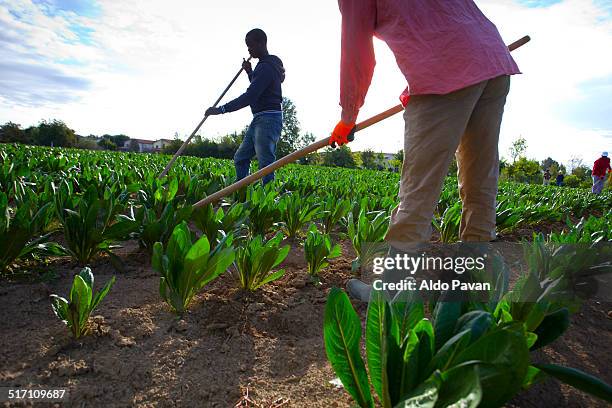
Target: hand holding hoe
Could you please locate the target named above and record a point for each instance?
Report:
(186, 142)
(312, 148)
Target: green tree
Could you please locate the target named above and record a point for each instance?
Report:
(571, 181)
(339, 157)
(56, 133)
(32, 134)
(133, 146)
(291, 139)
(524, 171)
(12, 133)
(107, 144)
(368, 159)
(553, 166)
(518, 148)
(582, 172)
(381, 164)
(119, 140)
(398, 159)
(548, 163)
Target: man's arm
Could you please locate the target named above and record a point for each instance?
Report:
(260, 79)
(357, 61)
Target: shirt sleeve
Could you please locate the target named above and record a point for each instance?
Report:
(357, 59)
(261, 77)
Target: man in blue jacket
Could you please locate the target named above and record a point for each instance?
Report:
(264, 96)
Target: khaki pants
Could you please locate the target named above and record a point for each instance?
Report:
(465, 123)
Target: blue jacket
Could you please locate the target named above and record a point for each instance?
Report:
(264, 93)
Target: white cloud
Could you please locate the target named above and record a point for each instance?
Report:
(153, 67)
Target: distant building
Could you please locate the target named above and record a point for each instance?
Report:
(143, 145)
(159, 144)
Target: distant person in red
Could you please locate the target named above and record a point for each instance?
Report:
(600, 169)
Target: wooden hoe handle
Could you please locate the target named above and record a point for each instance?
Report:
(186, 142)
(312, 148)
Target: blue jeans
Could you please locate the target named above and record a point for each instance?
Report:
(260, 140)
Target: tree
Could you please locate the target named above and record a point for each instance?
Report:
(575, 162)
(56, 133)
(582, 172)
(398, 159)
(518, 148)
(553, 166)
(571, 181)
(524, 171)
(340, 157)
(119, 140)
(32, 134)
(107, 144)
(291, 139)
(12, 133)
(548, 163)
(381, 164)
(133, 146)
(368, 159)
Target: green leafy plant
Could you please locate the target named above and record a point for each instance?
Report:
(332, 211)
(256, 259)
(209, 222)
(82, 302)
(296, 212)
(458, 359)
(448, 224)
(25, 232)
(160, 211)
(264, 213)
(233, 219)
(186, 267)
(413, 361)
(365, 233)
(318, 250)
(92, 224)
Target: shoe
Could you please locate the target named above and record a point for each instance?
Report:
(358, 290)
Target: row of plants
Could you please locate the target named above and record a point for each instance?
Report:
(187, 264)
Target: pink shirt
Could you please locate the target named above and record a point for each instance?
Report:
(439, 45)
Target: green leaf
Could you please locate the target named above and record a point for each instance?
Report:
(534, 375)
(87, 277)
(102, 294)
(408, 310)
(342, 334)
(270, 278)
(424, 396)
(476, 321)
(445, 316)
(378, 325)
(60, 307)
(460, 388)
(551, 328)
(505, 359)
(578, 379)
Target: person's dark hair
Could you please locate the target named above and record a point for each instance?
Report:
(258, 35)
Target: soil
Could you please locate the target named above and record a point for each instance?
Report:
(263, 349)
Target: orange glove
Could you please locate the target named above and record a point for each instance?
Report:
(342, 134)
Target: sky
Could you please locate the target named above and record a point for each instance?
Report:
(150, 68)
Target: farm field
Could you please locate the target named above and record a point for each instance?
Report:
(241, 339)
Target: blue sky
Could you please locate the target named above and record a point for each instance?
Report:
(149, 69)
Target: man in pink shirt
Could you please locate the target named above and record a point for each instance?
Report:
(458, 71)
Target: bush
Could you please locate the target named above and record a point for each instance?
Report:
(571, 181)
